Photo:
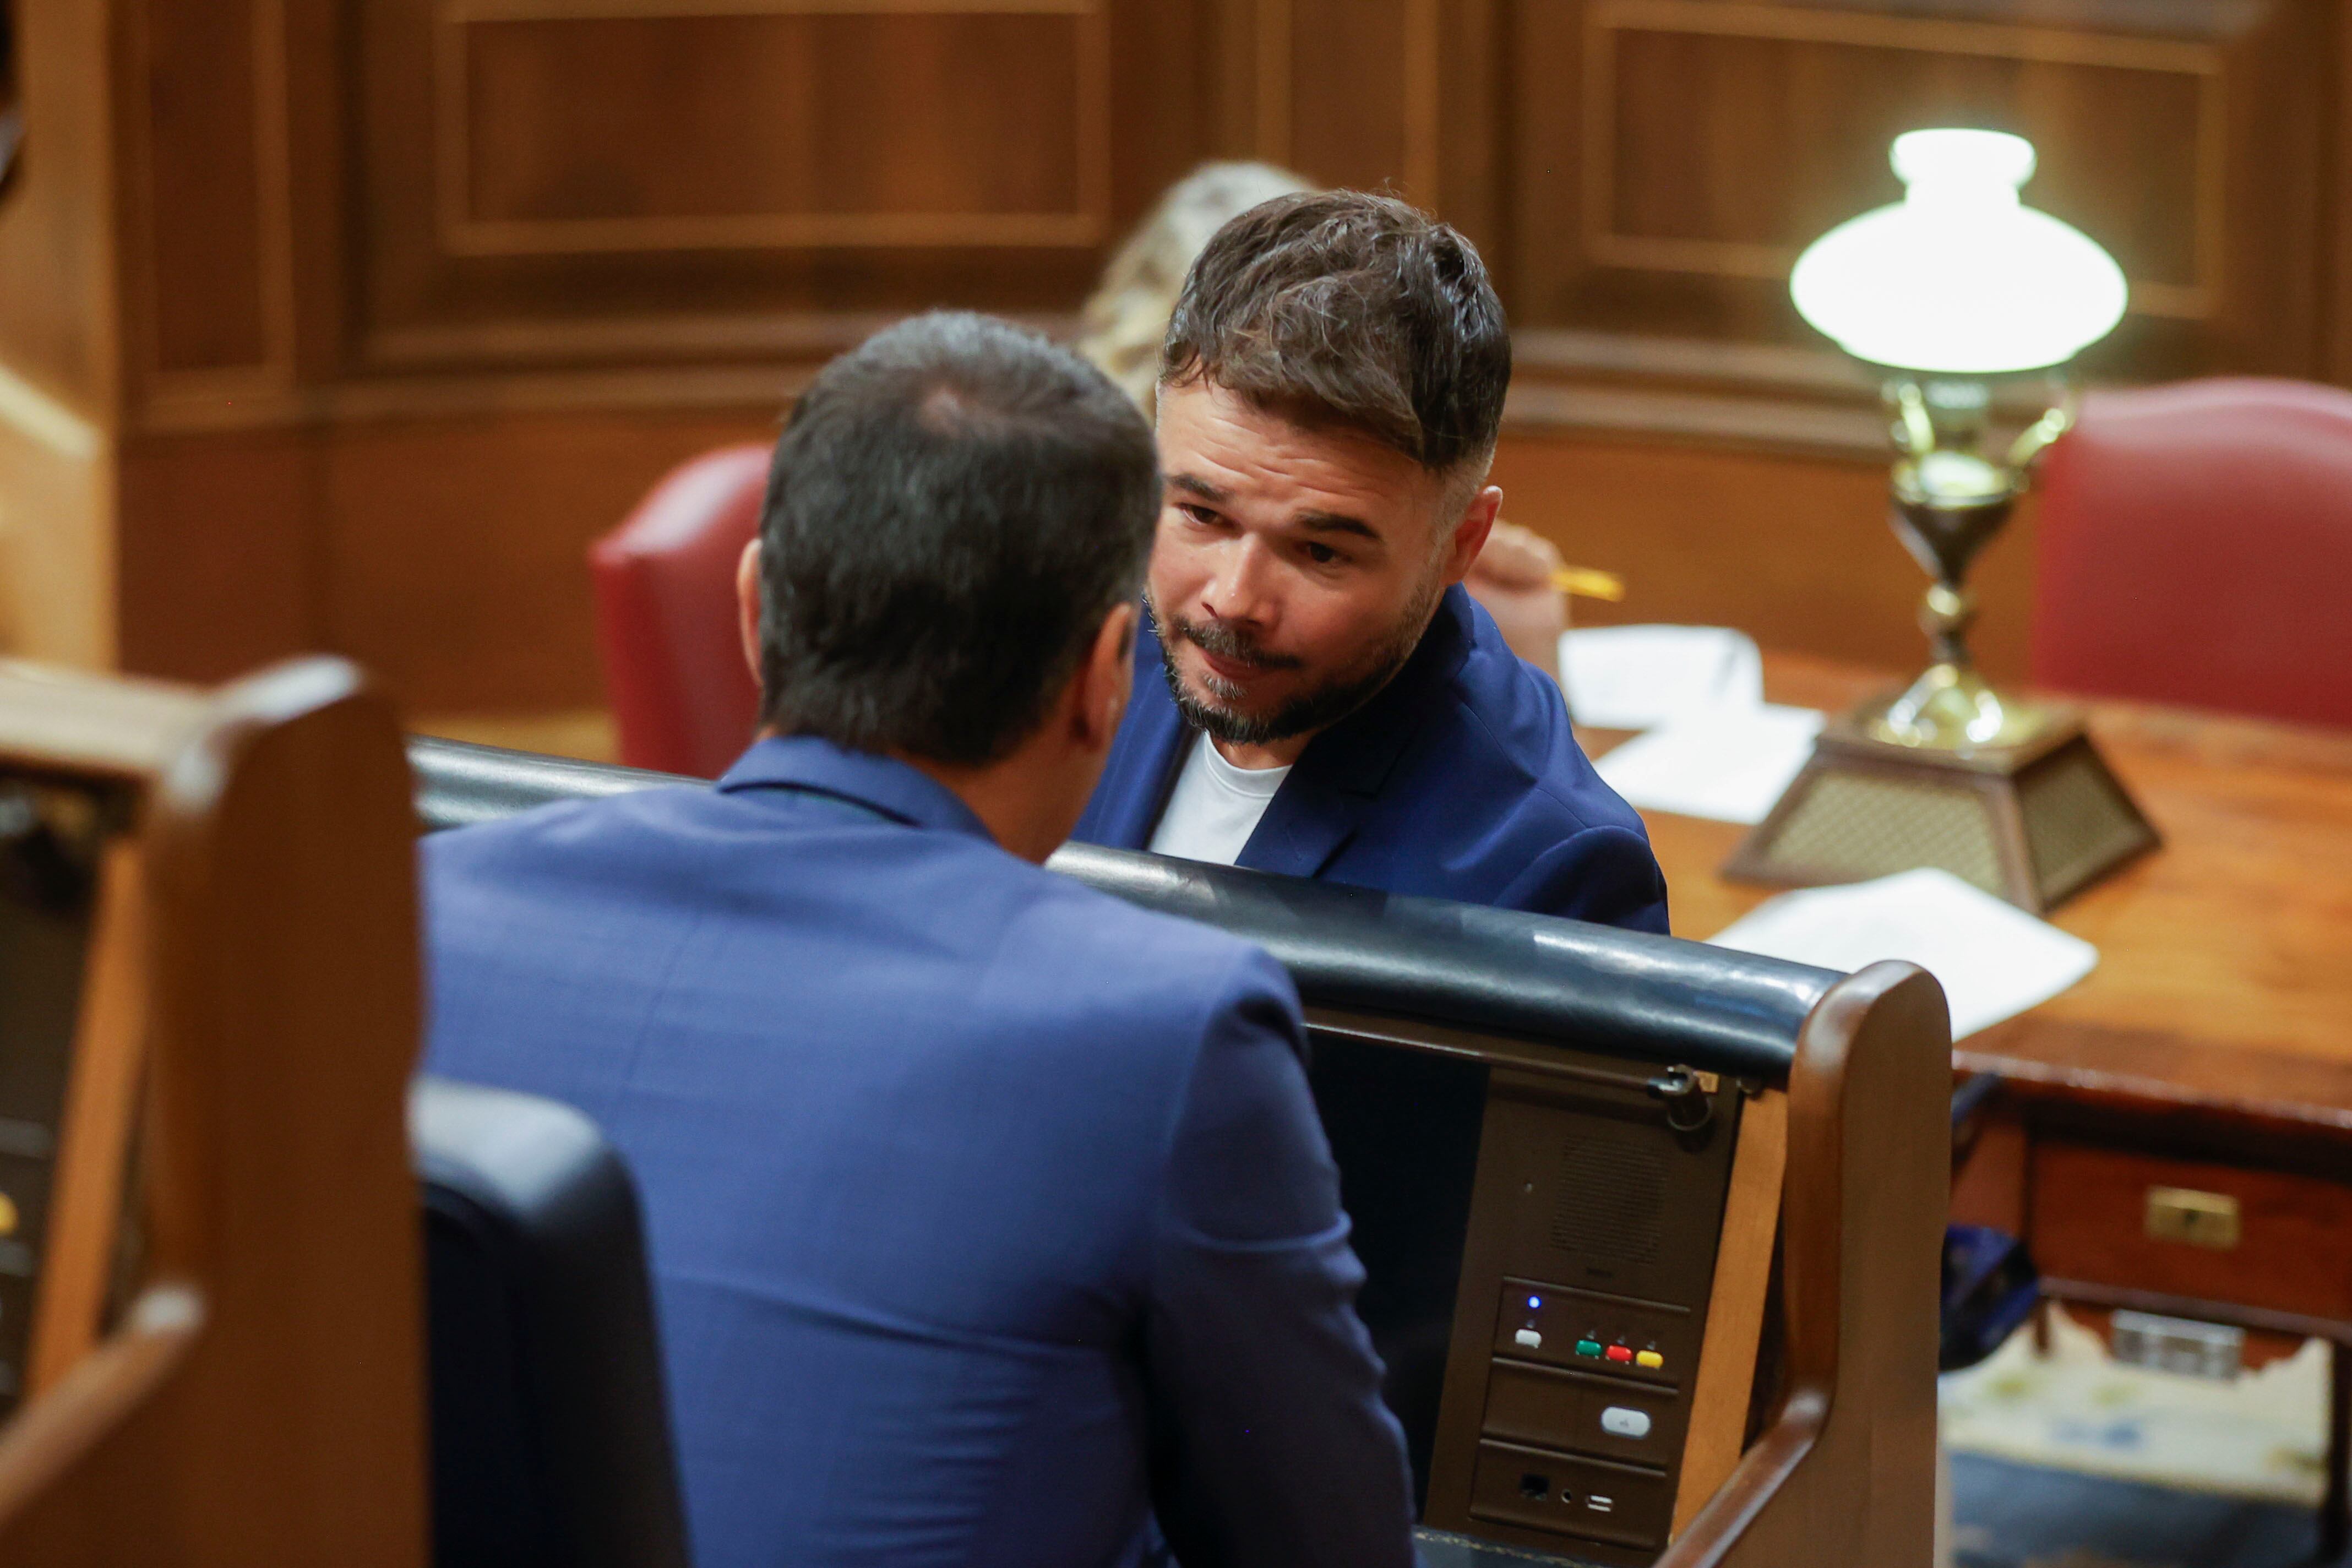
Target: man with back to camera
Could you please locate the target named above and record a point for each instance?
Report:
(987, 1213)
(1316, 693)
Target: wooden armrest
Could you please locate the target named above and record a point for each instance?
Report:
(1845, 1472)
(51, 1434)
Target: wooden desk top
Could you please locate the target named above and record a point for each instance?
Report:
(2225, 957)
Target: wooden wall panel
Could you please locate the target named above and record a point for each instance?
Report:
(219, 553)
(455, 552)
(557, 173)
(568, 133)
(1668, 190)
(56, 535)
(58, 244)
(59, 327)
(1350, 83)
(201, 182)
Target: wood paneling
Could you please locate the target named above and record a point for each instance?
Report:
(567, 132)
(575, 171)
(447, 555)
(202, 182)
(1818, 96)
(57, 312)
(1348, 85)
(219, 554)
(534, 247)
(420, 517)
(56, 535)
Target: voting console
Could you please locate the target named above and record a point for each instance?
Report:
(1650, 1229)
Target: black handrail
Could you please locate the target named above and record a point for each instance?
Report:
(1648, 998)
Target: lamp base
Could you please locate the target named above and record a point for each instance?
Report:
(2033, 823)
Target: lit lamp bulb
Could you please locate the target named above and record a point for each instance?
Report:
(1957, 282)
(1960, 278)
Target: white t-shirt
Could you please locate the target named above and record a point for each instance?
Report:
(1214, 807)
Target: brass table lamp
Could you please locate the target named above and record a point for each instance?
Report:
(1955, 286)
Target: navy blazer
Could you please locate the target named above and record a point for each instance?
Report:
(1460, 779)
(985, 1211)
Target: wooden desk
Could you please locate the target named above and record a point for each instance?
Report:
(2210, 1051)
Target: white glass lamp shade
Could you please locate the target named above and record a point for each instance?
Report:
(1960, 278)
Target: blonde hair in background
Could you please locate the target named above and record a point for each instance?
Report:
(1127, 317)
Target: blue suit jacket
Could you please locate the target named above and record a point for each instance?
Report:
(984, 1210)
(1461, 779)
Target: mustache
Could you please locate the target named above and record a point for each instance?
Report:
(1228, 642)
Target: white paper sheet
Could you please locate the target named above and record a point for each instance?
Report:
(1631, 677)
(1994, 960)
(1727, 763)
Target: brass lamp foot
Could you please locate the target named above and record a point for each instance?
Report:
(1951, 707)
(2032, 819)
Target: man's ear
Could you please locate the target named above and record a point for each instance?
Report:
(747, 605)
(1470, 534)
(1105, 680)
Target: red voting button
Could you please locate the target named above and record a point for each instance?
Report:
(1620, 1353)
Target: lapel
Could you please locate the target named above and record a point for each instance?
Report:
(1339, 778)
(1144, 756)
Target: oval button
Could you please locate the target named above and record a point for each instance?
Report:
(1620, 1422)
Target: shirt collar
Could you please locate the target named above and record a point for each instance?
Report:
(895, 789)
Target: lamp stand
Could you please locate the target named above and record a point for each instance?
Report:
(2007, 795)
(2031, 822)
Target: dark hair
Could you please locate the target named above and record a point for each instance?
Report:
(954, 507)
(1353, 308)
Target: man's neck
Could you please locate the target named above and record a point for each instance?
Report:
(1019, 803)
(1273, 755)
(1022, 804)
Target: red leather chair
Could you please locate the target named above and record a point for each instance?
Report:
(682, 698)
(2196, 548)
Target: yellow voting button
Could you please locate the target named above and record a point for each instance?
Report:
(1650, 1359)
(8, 1214)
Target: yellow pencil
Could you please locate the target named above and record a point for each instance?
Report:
(1587, 584)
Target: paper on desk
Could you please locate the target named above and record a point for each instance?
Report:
(1729, 764)
(1631, 677)
(1994, 960)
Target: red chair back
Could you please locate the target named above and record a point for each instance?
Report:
(682, 698)
(2196, 548)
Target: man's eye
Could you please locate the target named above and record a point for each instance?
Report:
(1323, 554)
(1197, 514)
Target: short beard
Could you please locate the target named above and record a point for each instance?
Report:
(1310, 710)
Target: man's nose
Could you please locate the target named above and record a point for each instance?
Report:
(1242, 587)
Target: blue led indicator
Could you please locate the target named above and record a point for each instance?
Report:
(1535, 1303)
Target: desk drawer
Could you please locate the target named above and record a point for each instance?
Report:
(2216, 1233)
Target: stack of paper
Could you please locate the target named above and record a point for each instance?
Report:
(1713, 746)
(1635, 678)
(1730, 764)
(1994, 960)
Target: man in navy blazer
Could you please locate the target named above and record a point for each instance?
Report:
(989, 1216)
(1316, 692)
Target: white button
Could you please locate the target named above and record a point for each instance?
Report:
(1620, 1422)
(1529, 1338)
